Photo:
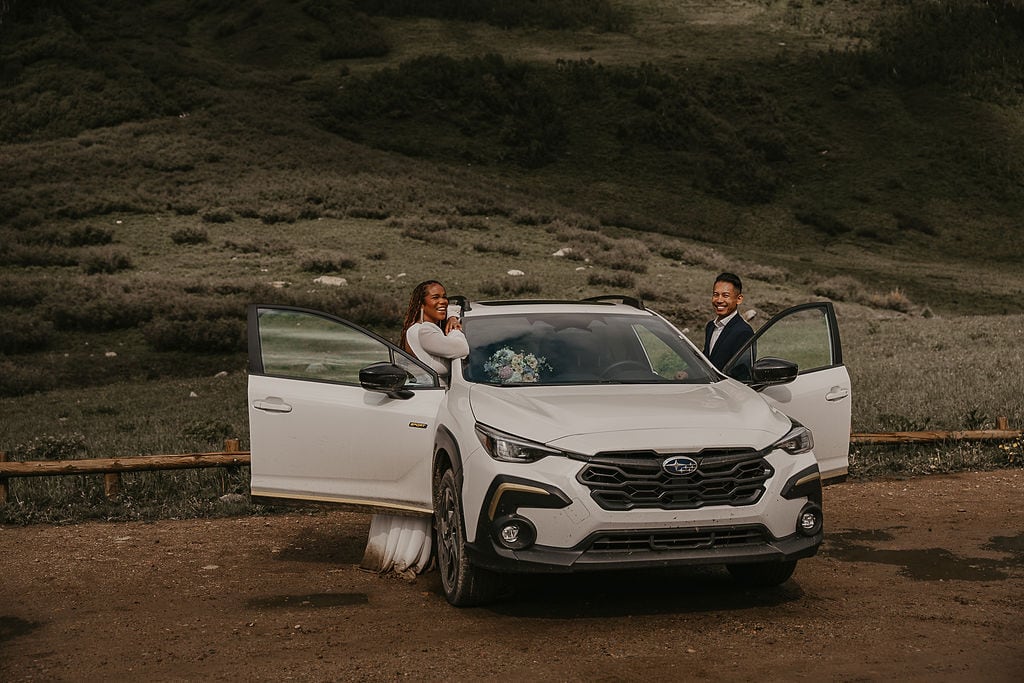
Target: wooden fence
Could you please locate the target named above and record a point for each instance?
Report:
(111, 468)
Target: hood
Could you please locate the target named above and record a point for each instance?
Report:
(614, 417)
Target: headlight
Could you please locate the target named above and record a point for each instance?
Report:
(797, 440)
(508, 448)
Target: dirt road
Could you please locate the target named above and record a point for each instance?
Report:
(919, 580)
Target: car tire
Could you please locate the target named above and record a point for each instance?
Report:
(762, 574)
(464, 584)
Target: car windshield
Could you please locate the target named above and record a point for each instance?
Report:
(579, 348)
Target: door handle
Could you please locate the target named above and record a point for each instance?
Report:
(837, 394)
(275, 405)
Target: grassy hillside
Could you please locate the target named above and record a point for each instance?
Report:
(166, 162)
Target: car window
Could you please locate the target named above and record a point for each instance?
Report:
(802, 338)
(304, 345)
(578, 348)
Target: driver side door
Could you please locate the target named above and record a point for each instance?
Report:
(820, 396)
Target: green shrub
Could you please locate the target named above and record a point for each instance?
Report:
(824, 223)
(328, 264)
(105, 260)
(210, 432)
(617, 280)
(512, 286)
(218, 215)
(840, 288)
(906, 222)
(894, 300)
(625, 254)
(279, 214)
(100, 307)
(19, 379)
(23, 333)
(551, 14)
(88, 235)
(372, 213)
(478, 108)
(22, 291)
(202, 335)
(504, 249)
(27, 255)
(190, 235)
(49, 447)
(255, 247)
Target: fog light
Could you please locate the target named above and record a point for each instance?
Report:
(514, 532)
(510, 533)
(809, 521)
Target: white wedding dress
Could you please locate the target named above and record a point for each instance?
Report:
(398, 544)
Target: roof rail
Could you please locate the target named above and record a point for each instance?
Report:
(627, 300)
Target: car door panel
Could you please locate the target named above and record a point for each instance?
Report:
(316, 434)
(820, 396)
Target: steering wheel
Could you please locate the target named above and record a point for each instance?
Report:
(618, 367)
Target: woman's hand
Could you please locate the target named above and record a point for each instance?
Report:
(452, 324)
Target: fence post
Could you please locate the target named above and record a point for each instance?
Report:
(112, 485)
(3, 481)
(1002, 423)
(230, 445)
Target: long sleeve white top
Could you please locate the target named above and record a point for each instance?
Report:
(432, 346)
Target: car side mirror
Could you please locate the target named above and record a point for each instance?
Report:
(771, 371)
(385, 378)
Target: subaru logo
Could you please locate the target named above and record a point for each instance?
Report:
(679, 465)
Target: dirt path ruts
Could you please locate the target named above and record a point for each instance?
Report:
(919, 580)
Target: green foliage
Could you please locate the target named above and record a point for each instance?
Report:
(553, 14)
(190, 235)
(100, 306)
(511, 286)
(198, 325)
(974, 46)
(218, 215)
(482, 108)
(51, 447)
(105, 260)
(23, 333)
(328, 264)
(613, 280)
(823, 222)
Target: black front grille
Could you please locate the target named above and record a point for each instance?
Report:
(679, 539)
(628, 481)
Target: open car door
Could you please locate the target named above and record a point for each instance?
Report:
(819, 397)
(316, 434)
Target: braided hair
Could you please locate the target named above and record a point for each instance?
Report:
(412, 315)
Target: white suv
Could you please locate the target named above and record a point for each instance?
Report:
(576, 436)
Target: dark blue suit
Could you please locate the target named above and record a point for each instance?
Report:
(733, 337)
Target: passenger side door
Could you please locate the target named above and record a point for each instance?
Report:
(820, 396)
(316, 434)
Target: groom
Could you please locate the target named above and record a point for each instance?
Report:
(724, 335)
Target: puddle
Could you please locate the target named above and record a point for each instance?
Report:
(12, 627)
(315, 600)
(928, 564)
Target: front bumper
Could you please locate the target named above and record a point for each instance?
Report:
(667, 548)
(764, 531)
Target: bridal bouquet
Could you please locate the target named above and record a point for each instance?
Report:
(510, 367)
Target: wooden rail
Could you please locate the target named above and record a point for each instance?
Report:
(111, 468)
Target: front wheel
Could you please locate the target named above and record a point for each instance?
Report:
(762, 574)
(464, 584)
